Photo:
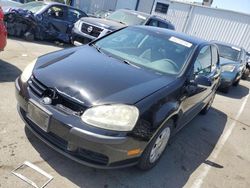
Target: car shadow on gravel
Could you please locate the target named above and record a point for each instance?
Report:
(8, 72)
(186, 152)
(236, 92)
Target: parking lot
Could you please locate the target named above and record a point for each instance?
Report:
(211, 151)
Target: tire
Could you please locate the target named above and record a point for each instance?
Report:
(245, 74)
(205, 110)
(29, 36)
(150, 157)
(236, 83)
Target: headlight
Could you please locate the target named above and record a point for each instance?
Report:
(25, 76)
(119, 117)
(227, 68)
(241, 68)
(77, 24)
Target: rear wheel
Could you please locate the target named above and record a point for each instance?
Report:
(155, 149)
(236, 83)
(29, 36)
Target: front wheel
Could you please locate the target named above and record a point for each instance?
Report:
(156, 147)
(236, 83)
(246, 74)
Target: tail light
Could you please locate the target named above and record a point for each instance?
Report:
(1, 14)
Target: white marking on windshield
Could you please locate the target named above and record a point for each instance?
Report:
(180, 41)
(142, 17)
(235, 48)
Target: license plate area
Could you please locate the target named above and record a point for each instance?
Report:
(39, 115)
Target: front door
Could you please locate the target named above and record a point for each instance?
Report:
(195, 94)
(56, 16)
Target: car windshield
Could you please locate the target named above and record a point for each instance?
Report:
(161, 53)
(128, 18)
(34, 7)
(229, 52)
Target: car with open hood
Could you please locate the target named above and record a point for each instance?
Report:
(233, 65)
(117, 101)
(88, 29)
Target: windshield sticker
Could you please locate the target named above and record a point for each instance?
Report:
(142, 17)
(235, 48)
(181, 42)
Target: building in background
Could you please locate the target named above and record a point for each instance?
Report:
(206, 22)
(199, 20)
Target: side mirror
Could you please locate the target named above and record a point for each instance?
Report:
(203, 80)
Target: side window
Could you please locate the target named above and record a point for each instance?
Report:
(56, 12)
(153, 22)
(243, 55)
(215, 57)
(163, 25)
(73, 15)
(203, 63)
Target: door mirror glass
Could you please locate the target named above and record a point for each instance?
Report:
(203, 80)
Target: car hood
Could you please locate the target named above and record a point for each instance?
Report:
(225, 61)
(93, 78)
(105, 23)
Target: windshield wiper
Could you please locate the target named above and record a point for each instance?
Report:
(128, 63)
(122, 23)
(96, 47)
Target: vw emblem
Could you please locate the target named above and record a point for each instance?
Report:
(90, 29)
(46, 100)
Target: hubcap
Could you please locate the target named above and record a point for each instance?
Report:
(159, 145)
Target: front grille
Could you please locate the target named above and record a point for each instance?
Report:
(95, 31)
(37, 87)
(60, 101)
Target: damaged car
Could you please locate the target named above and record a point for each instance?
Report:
(42, 21)
(117, 101)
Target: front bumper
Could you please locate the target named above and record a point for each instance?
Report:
(81, 145)
(80, 38)
(228, 78)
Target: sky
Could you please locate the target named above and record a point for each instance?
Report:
(236, 5)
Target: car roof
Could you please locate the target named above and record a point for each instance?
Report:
(56, 3)
(188, 38)
(146, 15)
(135, 12)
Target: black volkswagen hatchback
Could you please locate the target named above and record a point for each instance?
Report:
(116, 101)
